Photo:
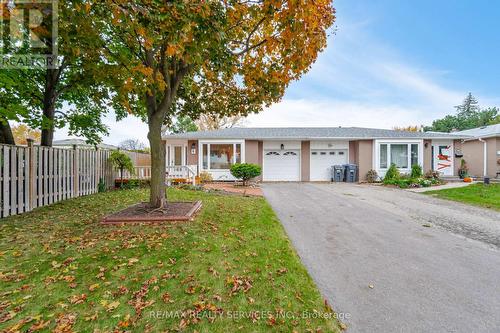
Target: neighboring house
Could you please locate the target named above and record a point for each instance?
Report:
(307, 154)
(482, 150)
(79, 143)
(142, 161)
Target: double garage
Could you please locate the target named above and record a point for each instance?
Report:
(289, 161)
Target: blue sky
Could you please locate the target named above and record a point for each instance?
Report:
(396, 63)
(389, 63)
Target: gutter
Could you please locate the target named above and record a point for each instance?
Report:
(319, 138)
(485, 156)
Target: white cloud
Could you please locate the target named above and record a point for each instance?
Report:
(128, 128)
(326, 113)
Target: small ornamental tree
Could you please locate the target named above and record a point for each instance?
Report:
(245, 171)
(121, 162)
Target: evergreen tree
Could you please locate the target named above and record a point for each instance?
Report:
(469, 115)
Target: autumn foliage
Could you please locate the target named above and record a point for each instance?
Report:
(219, 57)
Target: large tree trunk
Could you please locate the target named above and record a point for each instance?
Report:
(6, 136)
(49, 106)
(158, 164)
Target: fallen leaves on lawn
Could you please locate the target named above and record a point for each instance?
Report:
(64, 323)
(166, 298)
(94, 287)
(238, 283)
(111, 306)
(39, 325)
(213, 271)
(138, 300)
(132, 261)
(78, 299)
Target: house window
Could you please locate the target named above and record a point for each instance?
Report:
(414, 154)
(238, 153)
(399, 156)
(205, 156)
(383, 156)
(403, 155)
(221, 156)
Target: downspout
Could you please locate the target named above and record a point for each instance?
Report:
(485, 157)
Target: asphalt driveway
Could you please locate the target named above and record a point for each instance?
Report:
(375, 259)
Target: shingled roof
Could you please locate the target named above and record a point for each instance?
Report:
(305, 133)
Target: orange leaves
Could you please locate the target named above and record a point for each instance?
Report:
(94, 287)
(78, 299)
(166, 298)
(171, 50)
(39, 325)
(144, 70)
(64, 323)
(238, 284)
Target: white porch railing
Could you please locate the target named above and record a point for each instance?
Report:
(182, 171)
(141, 172)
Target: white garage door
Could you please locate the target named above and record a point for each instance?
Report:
(322, 161)
(281, 165)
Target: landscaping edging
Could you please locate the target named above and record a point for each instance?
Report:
(118, 218)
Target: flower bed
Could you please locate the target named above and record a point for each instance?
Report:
(415, 179)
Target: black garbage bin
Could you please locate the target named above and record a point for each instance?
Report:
(338, 173)
(351, 173)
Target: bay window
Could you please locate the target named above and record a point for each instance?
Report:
(220, 156)
(399, 156)
(414, 154)
(383, 156)
(403, 155)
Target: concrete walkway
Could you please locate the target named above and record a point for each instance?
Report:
(444, 278)
(440, 187)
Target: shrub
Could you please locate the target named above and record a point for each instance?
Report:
(101, 187)
(205, 177)
(371, 176)
(245, 171)
(128, 184)
(416, 171)
(432, 175)
(392, 173)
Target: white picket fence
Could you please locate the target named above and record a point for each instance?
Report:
(34, 176)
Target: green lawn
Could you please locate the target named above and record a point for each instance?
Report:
(477, 194)
(61, 270)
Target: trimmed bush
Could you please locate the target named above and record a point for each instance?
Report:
(416, 171)
(392, 173)
(371, 176)
(245, 171)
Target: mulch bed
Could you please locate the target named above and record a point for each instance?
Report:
(144, 213)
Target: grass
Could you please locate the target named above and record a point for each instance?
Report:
(231, 270)
(477, 194)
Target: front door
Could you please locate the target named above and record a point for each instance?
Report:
(443, 158)
(177, 156)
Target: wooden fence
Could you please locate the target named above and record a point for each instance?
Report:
(35, 176)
